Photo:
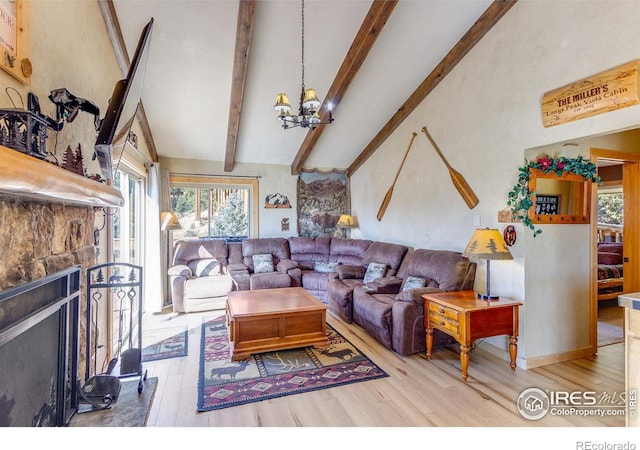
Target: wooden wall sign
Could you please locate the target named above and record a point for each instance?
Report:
(610, 90)
(15, 39)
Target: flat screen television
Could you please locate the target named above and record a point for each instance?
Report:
(123, 105)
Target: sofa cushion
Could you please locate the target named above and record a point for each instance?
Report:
(374, 270)
(348, 251)
(442, 269)
(277, 247)
(207, 287)
(306, 250)
(272, 280)
(194, 249)
(373, 313)
(325, 266)
(262, 263)
(316, 281)
(205, 267)
(384, 252)
(413, 282)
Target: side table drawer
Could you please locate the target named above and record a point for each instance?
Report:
(449, 313)
(442, 321)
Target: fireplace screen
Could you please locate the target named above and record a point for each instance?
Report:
(39, 351)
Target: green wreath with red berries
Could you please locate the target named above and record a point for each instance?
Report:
(520, 198)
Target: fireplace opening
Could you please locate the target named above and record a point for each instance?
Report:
(39, 351)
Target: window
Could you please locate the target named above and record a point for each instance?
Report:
(127, 221)
(610, 207)
(610, 214)
(214, 208)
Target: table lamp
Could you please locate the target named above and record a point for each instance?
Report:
(346, 221)
(487, 243)
(169, 221)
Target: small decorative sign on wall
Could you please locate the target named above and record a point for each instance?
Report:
(276, 200)
(547, 204)
(614, 89)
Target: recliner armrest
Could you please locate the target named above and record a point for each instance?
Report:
(384, 285)
(237, 267)
(346, 271)
(285, 265)
(415, 295)
(180, 271)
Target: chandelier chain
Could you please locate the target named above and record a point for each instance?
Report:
(302, 13)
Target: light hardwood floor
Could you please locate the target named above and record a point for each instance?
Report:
(418, 392)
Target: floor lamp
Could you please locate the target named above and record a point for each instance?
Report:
(169, 222)
(487, 243)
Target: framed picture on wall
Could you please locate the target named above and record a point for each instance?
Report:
(547, 204)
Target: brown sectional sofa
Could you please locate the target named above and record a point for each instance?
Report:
(345, 259)
(333, 270)
(395, 315)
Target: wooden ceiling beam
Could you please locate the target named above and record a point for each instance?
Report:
(370, 29)
(489, 18)
(244, 28)
(117, 41)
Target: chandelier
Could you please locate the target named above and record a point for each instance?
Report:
(308, 116)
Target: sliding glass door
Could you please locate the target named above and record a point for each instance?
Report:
(128, 225)
(128, 220)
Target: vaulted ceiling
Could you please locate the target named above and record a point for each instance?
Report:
(216, 66)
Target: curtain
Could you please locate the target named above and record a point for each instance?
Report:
(154, 272)
(165, 242)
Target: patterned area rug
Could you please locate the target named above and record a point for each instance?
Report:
(164, 343)
(609, 334)
(223, 383)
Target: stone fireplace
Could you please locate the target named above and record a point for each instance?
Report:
(47, 222)
(39, 337)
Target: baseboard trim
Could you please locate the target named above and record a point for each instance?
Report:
(539, 361)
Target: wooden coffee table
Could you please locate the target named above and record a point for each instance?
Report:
(274, 319)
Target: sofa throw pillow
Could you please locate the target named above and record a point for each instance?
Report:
(374, 270)
(412, 282)
(262, 263)
(207, 268)
(325, 266)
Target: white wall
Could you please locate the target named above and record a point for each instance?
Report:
(272, 178)
(71, 49)
(484, 115)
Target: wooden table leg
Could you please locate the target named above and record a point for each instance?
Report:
(429, 342)
(513, 351)
(464, 360)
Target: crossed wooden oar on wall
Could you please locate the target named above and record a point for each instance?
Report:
(458, 180)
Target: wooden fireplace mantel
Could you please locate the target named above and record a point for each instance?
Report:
(25, 176)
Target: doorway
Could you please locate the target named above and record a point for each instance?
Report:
(609, 252)
(615, 234)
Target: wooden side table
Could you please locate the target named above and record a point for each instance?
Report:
(465, 317)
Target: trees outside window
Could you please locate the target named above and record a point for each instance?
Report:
(610, 208)
(212, 212)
